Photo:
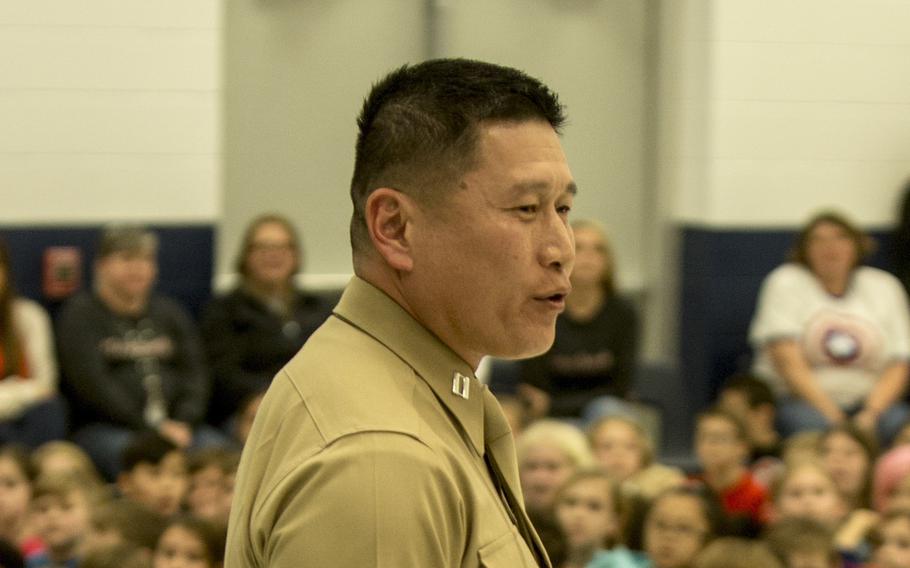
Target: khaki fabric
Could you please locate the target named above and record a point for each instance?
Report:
(362, 455)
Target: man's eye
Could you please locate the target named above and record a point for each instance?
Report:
(527, 208)
(564, 209)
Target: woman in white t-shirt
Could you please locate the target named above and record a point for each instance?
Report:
(832, 337)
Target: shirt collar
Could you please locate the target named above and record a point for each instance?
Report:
(372, 311)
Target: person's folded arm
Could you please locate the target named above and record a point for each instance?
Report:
(791, 364)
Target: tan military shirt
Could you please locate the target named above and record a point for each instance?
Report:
(369, 450)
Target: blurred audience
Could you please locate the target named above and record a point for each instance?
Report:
(153, 474)
(252, 331)
(31, 412)
(833, 336)
(131, 359)
(549, 453)
(188, 541)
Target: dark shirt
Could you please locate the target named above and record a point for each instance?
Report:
(106, 360)
(247, 344)
(588, 359)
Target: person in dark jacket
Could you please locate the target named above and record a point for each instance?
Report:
(131, 360)
(253, 330)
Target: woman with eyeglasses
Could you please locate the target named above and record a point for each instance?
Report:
(253, 330)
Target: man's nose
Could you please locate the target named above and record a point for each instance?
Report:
(558, 250)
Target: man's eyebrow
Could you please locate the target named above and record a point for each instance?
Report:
(538, 186)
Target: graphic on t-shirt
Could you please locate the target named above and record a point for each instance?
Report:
(840, 339)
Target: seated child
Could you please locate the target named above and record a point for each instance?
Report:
(124, 521)
(549, 452)
(191, 541)
(849, 454)
(807, 490)
(211, 475)
(154, 473)
(731, 552)
(752, 401)
(893, 548)
(587, 510)
(679, 524)
(624, 452)
(722, 447)
(60, 456)
(801, 542)
(61, 508)
(16, 478)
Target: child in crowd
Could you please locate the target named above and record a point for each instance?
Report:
(61, 508)
(189, 542)
(154, 473)
(679, 524)
(752, 401)
(849, 454)
(211, 475)
(587, 510)
(722, 447)
(730, 552)
(16, 477)
(124, 521)
(893, 548)
(801, 542)
(549, 452)
(62, 457)
(807, 490)
(623, 451)
(891, 485)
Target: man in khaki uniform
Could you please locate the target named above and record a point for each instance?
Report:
(376, 445)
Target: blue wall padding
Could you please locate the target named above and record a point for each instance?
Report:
(186, 259)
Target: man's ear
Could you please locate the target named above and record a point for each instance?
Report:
(389, 216)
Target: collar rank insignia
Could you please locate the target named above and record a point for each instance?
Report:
(461, 385)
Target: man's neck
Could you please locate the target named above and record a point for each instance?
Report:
(122, 304)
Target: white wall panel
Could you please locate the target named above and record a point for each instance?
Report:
(813, 21)
(71, 188)
(111, 109)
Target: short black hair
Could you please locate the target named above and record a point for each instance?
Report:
(418, 126)
(756, 391)
(146, 447)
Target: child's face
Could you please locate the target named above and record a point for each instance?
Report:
(894, 551)
(586, 514)
(15, 492)
(717, 444)
(845, 459)
(619, 449)
(159, 487)
(543, 471)
(180, 548)
(206, 493)
(808, 492)
(62, 521)
(675, 531)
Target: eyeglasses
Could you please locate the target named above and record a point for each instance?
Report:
(677, 529)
